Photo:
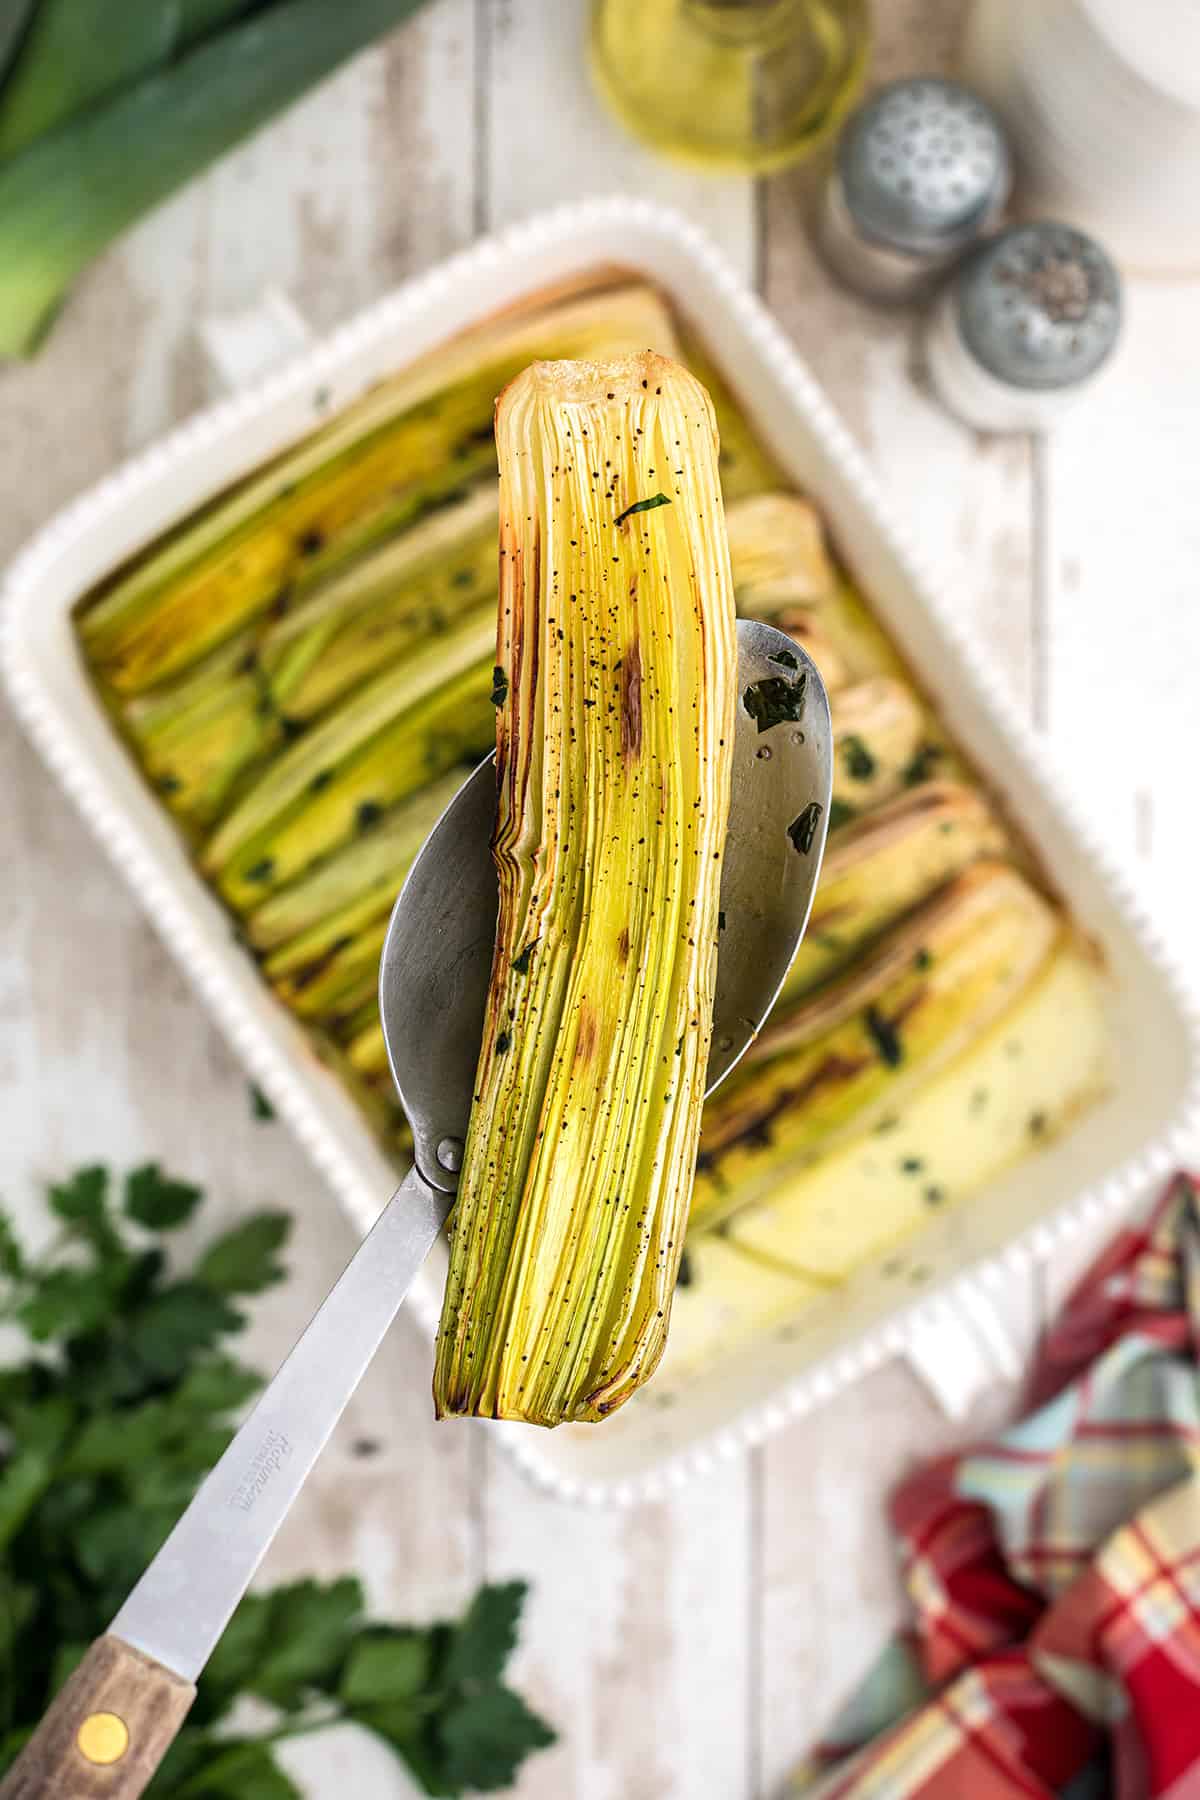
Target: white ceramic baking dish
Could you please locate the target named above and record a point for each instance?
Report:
(953, 1333)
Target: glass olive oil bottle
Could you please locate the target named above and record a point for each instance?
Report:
(744, 85)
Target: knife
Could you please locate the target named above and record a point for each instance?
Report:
(111, 1724)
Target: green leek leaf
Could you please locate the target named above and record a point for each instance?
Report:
(14, 18)
(65, 196)
(77, 52)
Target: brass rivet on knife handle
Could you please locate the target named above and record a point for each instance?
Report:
(106, 1731)
(102, 1738)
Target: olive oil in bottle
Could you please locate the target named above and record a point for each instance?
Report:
(745, 85)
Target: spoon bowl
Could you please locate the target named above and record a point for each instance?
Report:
(437, 957)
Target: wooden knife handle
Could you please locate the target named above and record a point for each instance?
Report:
(106, 1731)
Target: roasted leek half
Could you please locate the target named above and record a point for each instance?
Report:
(617, 660)
(853, 1051)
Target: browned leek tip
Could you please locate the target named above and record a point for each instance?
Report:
(616, 682)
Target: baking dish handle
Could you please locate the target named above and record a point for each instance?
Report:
(240, 346)
(960, 1348)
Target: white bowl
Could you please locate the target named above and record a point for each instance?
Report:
(976, 1247)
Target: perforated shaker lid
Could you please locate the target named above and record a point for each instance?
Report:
(1040, 305)
(922, 165)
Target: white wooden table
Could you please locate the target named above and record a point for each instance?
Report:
(691, 1649)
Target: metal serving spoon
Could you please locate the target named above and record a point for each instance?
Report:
(437, 957)
(112, 1722)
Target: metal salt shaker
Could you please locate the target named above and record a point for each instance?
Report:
(1023, 328)
(921, 171)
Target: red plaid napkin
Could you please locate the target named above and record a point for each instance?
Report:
(1055, 1571)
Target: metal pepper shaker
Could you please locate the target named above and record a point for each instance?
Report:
(1023, 328)
(920, 172)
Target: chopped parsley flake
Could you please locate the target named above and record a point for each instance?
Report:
(860, 764)
(775, 700)
(803, 829)
(885, 1038)
(922, 765)
(640, 506)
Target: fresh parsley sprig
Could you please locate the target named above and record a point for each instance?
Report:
(125, 1398)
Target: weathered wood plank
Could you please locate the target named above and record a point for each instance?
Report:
(830, 1590)
(1121, 525)
(636, 1644)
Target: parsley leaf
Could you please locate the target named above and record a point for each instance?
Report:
(521, 963)
(67, 1300)
(185, 1318)
(244, 1260)
(310, 1631)
(386, 1664)
(82, 1205)
(228, 1769)
(240, 1652)
(26, 1476)
(858, 758)
(155, 1200)
(83, 1200)
(803, 828)
(775, 699)
(12, 1257)
(260, 1106)
(484, 1641)
(641, 506)
(885, 1037)
(923, 765)
(487, 1736)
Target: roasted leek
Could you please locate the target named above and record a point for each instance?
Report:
(877, 727)
(404, 729)
(409, 446)
(618, 660)
(1014, 1090)
(365, 874)
(208, 729)
(854, 1050)
(879, 867)
(1017, 1086)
